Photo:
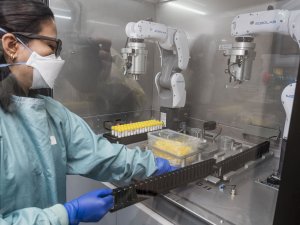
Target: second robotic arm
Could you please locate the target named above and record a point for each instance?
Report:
(245, 26)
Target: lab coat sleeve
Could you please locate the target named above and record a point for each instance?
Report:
(55, 215)
(94, 156)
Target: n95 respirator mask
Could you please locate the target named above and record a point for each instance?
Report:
(45, 70)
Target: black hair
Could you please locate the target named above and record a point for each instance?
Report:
(18, 16)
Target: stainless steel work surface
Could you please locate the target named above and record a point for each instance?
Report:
(253, 203)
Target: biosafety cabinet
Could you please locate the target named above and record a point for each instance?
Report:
(222, 72)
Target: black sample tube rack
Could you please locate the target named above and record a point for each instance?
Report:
(136, 192)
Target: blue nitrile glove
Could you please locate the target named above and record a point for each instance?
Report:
(90, 207)
(163, 166)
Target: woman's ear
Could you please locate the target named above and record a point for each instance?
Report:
(10, 46)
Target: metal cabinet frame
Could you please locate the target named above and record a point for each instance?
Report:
(288, 202)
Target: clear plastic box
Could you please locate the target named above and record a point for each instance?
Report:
(180, 149)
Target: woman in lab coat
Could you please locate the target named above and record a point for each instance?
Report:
(40, 140)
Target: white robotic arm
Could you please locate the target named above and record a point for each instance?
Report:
(244, 27)
(175, 55)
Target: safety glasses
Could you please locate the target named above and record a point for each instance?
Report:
(58, 42)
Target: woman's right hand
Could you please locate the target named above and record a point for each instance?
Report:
(90, 207)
